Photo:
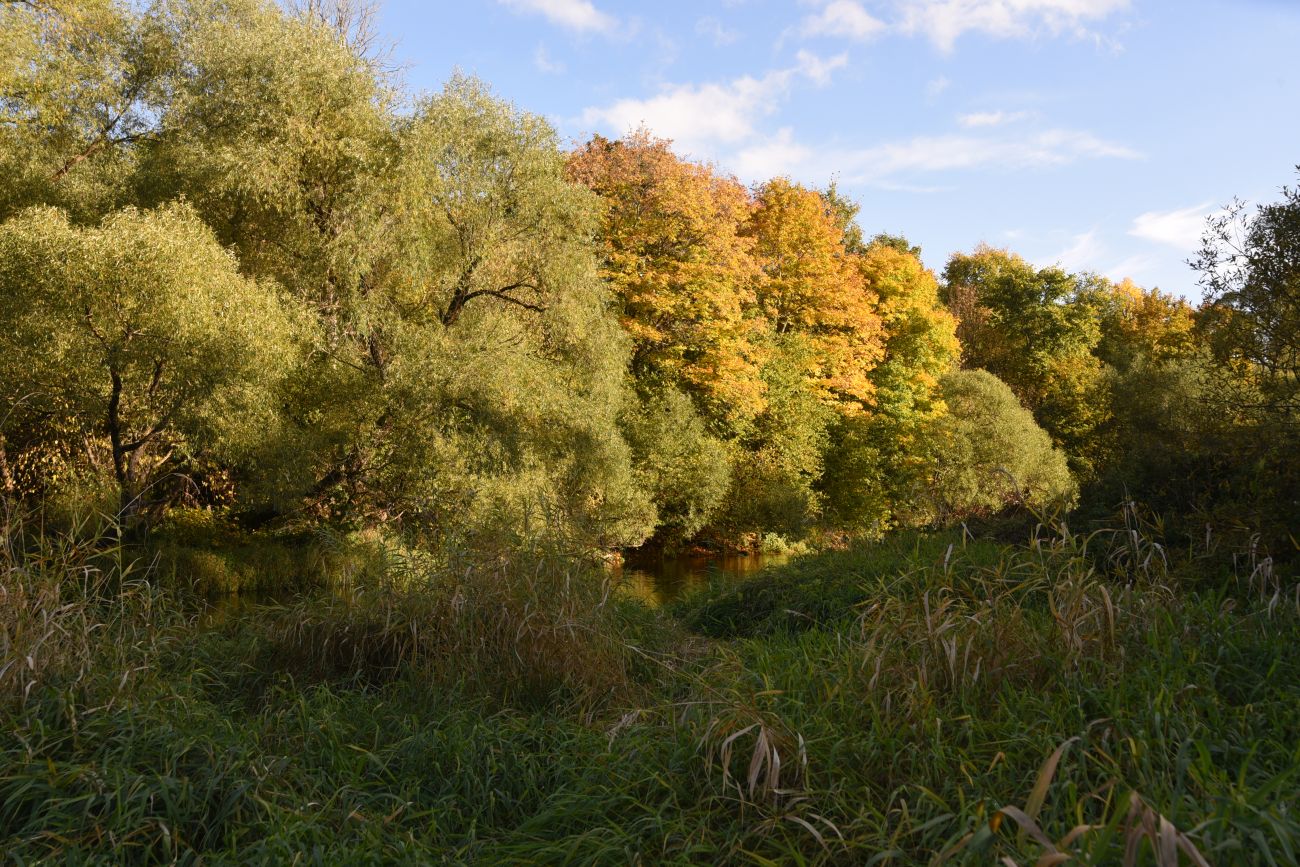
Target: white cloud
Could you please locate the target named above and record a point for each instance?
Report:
(1136, 267)
(937, 86)
(1181, 228)
(819, 70)
(779, 155)
(699, 116)
(929, 154)
(990, 118)
(578, 15)
(542, 60)
(944, 21)
(711, 27)
(1082, 254)
(843, 18)
(896, 165)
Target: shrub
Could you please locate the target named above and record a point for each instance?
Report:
(990, 452)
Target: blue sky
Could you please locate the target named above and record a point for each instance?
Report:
(1092, 133)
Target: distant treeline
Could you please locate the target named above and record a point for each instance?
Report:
(243, 270)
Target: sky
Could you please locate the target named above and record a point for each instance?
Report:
(1093, 134)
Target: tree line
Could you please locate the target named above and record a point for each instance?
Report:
(242, 269)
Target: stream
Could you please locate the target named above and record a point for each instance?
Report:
(656, 580)
(661, 579)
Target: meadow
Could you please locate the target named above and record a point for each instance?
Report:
(933, 698)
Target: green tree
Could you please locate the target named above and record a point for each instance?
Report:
(282, 138)
(502, 370)
(991, 452)
(140, 338)
(685, 470)
(778, 465)
(1250, 273)
(80, 85)
(878, 463)
(1035, 329)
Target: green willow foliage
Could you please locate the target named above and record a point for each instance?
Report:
(141, 330)
(244, 269)
(992, 453)
(458, 368)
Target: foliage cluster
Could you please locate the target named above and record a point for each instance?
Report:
(244, 270)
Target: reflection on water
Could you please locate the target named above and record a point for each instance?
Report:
(662, 579)
(656, 580)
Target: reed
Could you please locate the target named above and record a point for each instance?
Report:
(1076, 698)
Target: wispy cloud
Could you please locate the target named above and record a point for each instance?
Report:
(701, 116)
(819, 70)
(937, 86)
(542, 60)
(943, 22)
(916, 165)
(932, 154)
(990, 118)
(1082, 254)
(709, 26)
(1181, 228)
(846, 19)
(579, 15)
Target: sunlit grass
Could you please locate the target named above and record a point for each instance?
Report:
(926, 699)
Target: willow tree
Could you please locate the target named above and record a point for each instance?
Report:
(80, 85)
(140, 341)
(991, 452)
(503, 367)
(280, 134)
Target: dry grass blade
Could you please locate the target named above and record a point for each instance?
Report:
(1045, 774)
(1143, 823)
(1028, 826)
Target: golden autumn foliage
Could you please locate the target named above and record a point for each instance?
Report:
(920, 334)
(684, 274)
(811, 286)
(1145, 322)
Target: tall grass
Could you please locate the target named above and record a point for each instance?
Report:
(538, 629)
(72, 604)
(1075, 698)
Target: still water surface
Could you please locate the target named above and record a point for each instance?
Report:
(656, 580)
(659, 580)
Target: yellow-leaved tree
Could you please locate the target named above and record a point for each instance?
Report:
(682, 271)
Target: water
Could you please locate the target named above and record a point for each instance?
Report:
(654, 579)
(659, 580)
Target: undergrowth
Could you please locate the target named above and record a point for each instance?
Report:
(1078, 698)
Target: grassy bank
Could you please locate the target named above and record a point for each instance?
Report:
(927, 698)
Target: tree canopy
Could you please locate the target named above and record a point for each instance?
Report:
(140, 332)
(269, 275)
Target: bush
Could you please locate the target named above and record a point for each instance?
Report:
(990, 452)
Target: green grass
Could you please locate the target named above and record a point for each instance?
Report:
(905, 712)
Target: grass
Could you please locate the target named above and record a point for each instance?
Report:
(1083, 699)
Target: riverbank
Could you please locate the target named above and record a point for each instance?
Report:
(930, 697)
